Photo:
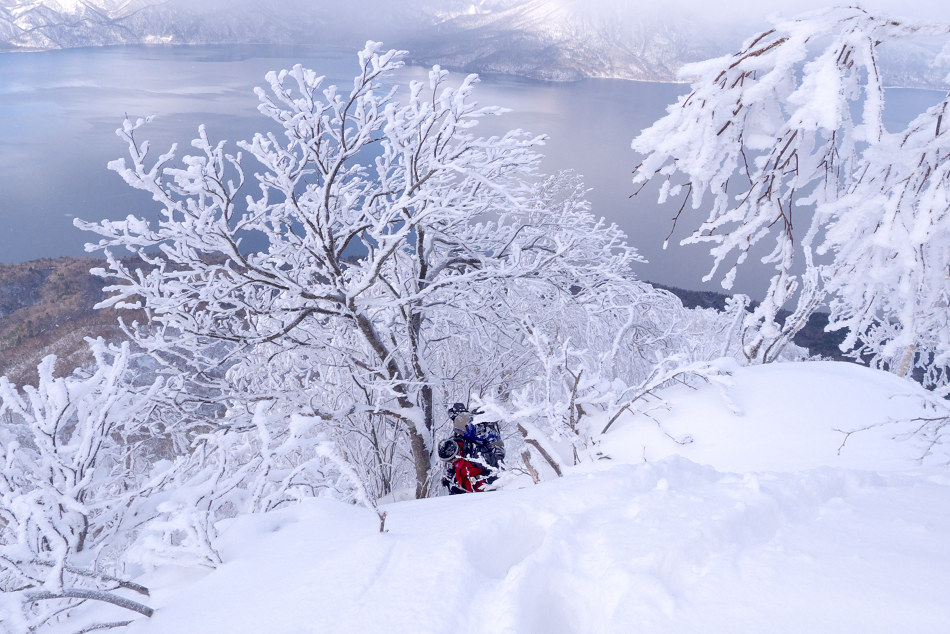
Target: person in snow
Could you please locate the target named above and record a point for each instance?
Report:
(472, 454)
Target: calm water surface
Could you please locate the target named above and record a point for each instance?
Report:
(59, 111)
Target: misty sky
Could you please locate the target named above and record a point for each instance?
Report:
(737, 9)
(919, 9)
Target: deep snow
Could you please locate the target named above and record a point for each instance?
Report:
(757, 525)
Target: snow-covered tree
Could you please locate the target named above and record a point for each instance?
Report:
(784, 142)
(73, 458)
(376, 227)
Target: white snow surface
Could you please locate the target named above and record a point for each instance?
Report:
(760, 524)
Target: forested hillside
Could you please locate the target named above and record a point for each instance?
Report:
(46, 307)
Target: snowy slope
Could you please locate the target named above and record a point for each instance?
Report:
(759, 524)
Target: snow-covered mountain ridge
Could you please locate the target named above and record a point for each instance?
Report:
(546, 39)
(566, 40)
(33, 25)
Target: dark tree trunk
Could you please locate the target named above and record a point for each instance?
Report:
(420, 451)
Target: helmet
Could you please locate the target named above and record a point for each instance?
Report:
(457, 409)
(448, 449)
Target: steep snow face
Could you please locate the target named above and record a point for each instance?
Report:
(670, 547)
(661, 548)
(751, 510)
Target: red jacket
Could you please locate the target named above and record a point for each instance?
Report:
(467, 475)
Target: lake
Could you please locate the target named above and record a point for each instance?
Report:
(59, 111)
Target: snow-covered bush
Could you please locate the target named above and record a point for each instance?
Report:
(74, 459)
(244, 465)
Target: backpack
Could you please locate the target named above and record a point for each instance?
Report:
(488, 443)
(472, 457)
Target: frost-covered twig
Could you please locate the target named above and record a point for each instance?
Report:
(665, 372)
(534, 442)
(31, 596)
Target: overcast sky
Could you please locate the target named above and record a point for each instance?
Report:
(938, 10)
(919, 9)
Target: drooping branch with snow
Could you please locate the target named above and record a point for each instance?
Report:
(890, 235)
(783, 140)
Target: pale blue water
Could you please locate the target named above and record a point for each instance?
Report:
(59, 110)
